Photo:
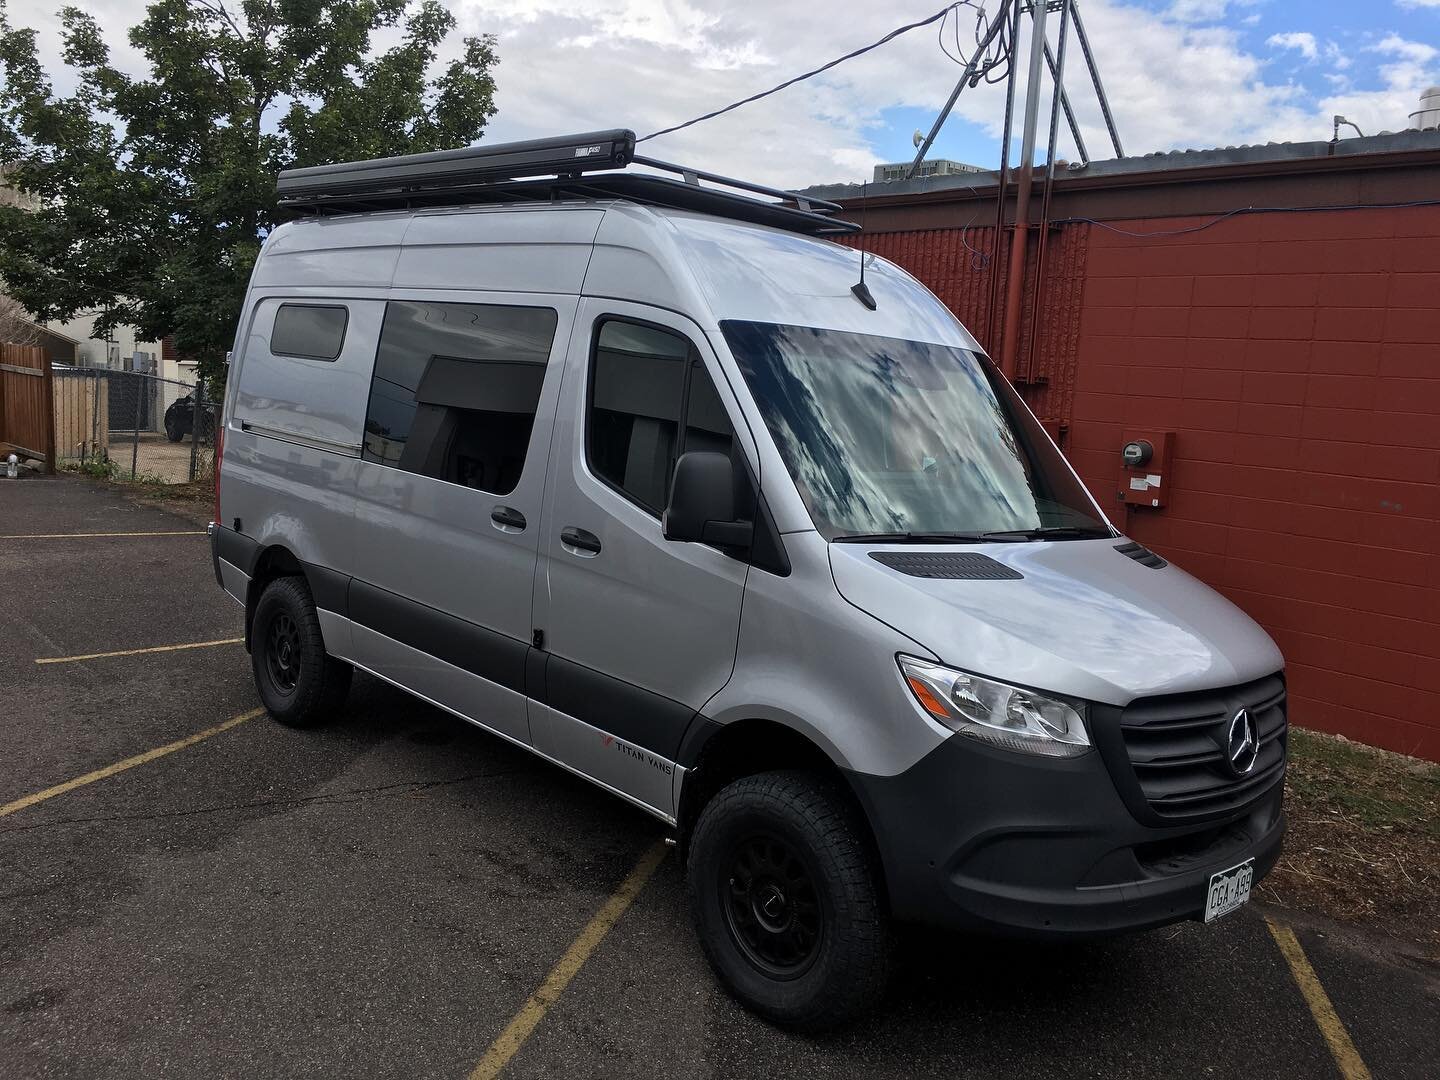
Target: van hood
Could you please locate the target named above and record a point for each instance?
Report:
(1082, 619)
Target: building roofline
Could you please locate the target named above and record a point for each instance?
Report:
(1181, 166)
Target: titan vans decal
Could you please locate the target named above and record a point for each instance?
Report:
(635, 752)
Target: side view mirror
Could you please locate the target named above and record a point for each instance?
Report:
(702, 502)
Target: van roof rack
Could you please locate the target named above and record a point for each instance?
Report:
(584, 166)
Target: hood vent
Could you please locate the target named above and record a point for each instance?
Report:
(950, 565)
(1143, 555)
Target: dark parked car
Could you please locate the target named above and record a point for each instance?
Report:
(180, 418)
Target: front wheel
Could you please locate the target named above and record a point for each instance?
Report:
(300, 685)
(786, 900)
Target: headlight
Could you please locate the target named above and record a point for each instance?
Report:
(993, 712)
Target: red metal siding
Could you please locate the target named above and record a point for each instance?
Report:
(1297, 358)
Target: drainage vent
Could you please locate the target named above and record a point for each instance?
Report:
(1143, 555)
(956, 565)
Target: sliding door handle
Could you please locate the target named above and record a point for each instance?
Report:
(580, 541)
(508, 519)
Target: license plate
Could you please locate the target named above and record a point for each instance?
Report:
(1229, 889)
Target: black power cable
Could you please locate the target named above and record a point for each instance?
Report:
(1237, 212)
(810, 74)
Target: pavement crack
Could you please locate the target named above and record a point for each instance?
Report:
(349, 795)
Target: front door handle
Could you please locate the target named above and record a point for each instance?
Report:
(508, 519)
(582, 541)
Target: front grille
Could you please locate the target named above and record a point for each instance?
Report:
(1177, 748)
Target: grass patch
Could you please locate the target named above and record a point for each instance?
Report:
(1364, 840)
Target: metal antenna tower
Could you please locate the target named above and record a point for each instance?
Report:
(1008, 17)
(969, 77)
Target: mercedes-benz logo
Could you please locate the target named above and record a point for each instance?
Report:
(1242, 743)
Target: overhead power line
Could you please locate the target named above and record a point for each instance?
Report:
(891, 36)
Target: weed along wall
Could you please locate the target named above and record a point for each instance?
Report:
(1291, 360)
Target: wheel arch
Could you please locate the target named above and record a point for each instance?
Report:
(271, 562)
(723, 753)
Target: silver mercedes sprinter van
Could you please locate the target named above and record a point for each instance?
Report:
(641, 473)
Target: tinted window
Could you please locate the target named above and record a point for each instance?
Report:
(646, 386)
(311, 331)
(455, 390)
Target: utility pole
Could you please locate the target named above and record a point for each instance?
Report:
(1025, 178)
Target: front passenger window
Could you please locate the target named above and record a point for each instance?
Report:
(647, 386)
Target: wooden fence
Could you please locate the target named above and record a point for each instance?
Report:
(82, 414)
(27, 404)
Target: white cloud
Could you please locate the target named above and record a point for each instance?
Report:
(1412, 69)
(1412, 51)
(1337, 57)
(1418, 3)
(1299, 40)
(577, 65)
(1198, 10)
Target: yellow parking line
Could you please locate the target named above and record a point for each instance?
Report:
(1347, 1058)
(538, 1004)
(128, 763)
(137, 652)
(84, 536)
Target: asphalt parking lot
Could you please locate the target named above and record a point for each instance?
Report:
(392, 895)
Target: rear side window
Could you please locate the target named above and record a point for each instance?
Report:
(647, 386)
(310, 331)
(455, 390)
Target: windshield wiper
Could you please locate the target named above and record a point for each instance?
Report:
(928, 538)
(1050, 532)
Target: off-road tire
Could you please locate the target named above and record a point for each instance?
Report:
(813, 816)
(299, 684)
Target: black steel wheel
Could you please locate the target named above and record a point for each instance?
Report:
(299, 683)
(785, 892)
(772, 908)
(282, 652)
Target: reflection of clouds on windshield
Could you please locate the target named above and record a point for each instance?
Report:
(886, 435)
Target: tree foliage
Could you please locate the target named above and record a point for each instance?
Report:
(155, 191)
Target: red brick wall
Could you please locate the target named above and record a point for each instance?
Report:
(1297, 358)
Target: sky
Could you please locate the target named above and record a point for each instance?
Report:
(1179, 74)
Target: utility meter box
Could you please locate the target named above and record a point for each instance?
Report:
(1145, 467)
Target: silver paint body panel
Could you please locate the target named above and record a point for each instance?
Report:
(813, 650)
(1084, 621)
(644, 777)
(658, 615)
(499, 709)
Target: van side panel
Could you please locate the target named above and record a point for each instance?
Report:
(316, 401)
(513, 252)
(292, 441)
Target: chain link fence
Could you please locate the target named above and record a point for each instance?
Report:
(132, 425)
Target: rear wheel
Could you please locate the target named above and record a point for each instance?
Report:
(300, 685)
(786, 899)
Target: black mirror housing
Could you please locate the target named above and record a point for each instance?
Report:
(702, 502)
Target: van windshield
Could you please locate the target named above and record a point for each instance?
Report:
(901, 440)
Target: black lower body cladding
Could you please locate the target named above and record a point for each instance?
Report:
(979, 839)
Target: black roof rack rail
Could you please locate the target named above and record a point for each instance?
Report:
(584, 166)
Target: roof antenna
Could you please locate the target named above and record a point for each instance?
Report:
(860, 289)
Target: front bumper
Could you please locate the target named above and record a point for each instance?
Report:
(981, 839)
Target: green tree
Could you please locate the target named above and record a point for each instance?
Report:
(155, 191)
